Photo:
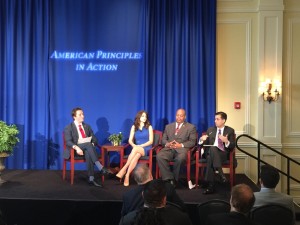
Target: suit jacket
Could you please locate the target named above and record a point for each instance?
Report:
(71, 136)
(232, 218)
(133, 199)
(270, 196)
(187, 134)
(212, 131)
(170, 215)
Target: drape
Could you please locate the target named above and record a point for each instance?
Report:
(112, 58)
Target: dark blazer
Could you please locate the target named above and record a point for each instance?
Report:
(232, 218)
(212, 131)
(170, 215)
(133, 198)
(187, 134)
(71, 136)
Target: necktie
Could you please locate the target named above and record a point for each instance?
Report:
(220, 142)
(177, 129)
(81, 131)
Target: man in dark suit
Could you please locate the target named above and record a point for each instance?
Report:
(133, 198)
(220, 140)
(178, 137)
(241, 202)
(155, 210)
(78, 130)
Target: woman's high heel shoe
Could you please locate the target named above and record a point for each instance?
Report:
(126, 181)
(120, 174)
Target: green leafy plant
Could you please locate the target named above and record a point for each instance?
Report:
(116, 139)
(8, 137)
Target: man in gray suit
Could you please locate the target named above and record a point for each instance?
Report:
(80, 130)
(269, 178)
(178, 137)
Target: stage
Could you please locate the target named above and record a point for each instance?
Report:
(31, 197)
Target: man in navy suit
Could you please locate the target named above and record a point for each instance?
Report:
(221, 140)
(79, 130)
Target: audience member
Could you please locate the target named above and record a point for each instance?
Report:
(178, 137)
(269, 178)
(221, 140)
(141, 139)
(133, 199)
(76, 136)
(241, 202)
(155, 210)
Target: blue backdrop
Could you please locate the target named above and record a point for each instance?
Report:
(110, 57)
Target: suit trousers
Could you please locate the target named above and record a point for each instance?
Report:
(90, 155)
(166, 155)
(215, 158)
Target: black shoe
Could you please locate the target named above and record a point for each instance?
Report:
(95, 183)
(172, 182)
(204, 185)
(105, 171)
(208, 191)
(223, 179)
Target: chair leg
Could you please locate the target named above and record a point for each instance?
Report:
(64, 170)
(72, 173)
(196, 175)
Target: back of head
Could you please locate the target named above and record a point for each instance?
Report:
(155, 194)
(242, 198)
(269, 176)
(154, 198)
(142, 174)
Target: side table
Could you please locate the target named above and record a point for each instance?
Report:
(108, 147)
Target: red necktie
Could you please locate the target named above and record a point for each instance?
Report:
(220, 142)
(177, 129)
(81, 131)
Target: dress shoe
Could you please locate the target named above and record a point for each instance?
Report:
(105, 171)
(173, 182)
(126, 181)
(208, 191)
(120, 174)
(223, 179)
(95, 183)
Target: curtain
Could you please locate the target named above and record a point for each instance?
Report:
(112, 58)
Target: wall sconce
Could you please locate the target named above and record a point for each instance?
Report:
(268, 94)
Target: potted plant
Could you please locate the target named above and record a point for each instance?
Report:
(115, 139)
(8, 138)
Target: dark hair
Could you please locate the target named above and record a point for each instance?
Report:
(222, 114)
(242, 198)
(73, 113)
(269, 176)
(137, 120)
(154, 194)
(141, 173)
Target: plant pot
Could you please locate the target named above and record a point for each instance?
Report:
(115, 143)
(3, 156)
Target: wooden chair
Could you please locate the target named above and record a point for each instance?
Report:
(189, 161)
(201, 164)
(74, 158)
(157, 136)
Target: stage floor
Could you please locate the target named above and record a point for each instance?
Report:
(42, 197)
